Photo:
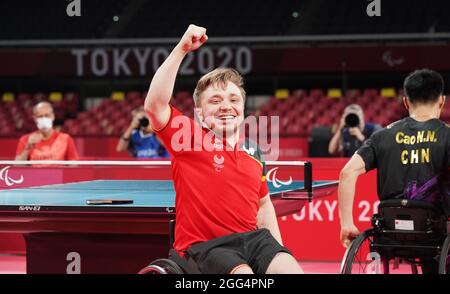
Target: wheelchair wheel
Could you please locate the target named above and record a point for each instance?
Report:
(361, 258)
(161, 266)
(444, 258)
(358, 258)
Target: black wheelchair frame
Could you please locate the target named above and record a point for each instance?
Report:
(427, 239)
(174, 264)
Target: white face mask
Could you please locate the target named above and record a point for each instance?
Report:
(44, 123)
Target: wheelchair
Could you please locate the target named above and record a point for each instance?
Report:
(174, 264)
(404, 232)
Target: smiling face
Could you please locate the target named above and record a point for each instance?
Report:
(219, 100)
(222, 108)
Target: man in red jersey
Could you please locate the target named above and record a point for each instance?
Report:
(225, 219)
(46, 143)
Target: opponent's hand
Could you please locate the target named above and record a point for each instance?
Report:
(348, 234)
(193, 38)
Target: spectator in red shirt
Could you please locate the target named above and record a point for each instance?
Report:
(226, 221)
(45, 143)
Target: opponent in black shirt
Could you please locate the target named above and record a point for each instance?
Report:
(411, 155)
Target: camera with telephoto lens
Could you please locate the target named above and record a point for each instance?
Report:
(143, 123)
(351, 120)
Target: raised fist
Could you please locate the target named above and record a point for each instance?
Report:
(193, 38)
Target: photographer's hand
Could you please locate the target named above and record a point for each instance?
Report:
(335, 143)
(356, 132)
(124, 140)
(342, 123)
(135, 121)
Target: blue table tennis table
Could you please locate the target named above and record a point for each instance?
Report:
(64, 234)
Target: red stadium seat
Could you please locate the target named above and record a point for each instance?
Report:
(82, 116)
(299, 93)
(76, 131)
(23, 96)
(132, 96)
(317, 93)
(39, 97)
(70, 96)
(7, 131)
(60, 115)
(88, 122)
(126, 108)
(371, 93)
(284, 106)
(353, 94)
(25, 100)
(298, 113)
(99, 115)
(107, 103)
(137, 103)
(93, 130)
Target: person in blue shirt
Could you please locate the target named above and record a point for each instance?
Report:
(353, 131)
(139, 138)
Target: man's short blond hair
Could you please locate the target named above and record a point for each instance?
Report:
(218, 77)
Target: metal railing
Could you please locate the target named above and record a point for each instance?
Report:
(444, 36)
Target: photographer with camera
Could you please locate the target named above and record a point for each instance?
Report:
(139, 138)
(352, 132)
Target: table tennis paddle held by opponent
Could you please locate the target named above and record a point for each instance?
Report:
(108, 201)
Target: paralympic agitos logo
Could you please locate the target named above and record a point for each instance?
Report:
(272, 178)
(4, 176)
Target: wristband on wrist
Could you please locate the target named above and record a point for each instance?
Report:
(125, 139)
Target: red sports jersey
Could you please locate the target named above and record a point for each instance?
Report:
(217, 191)
(59, 146)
